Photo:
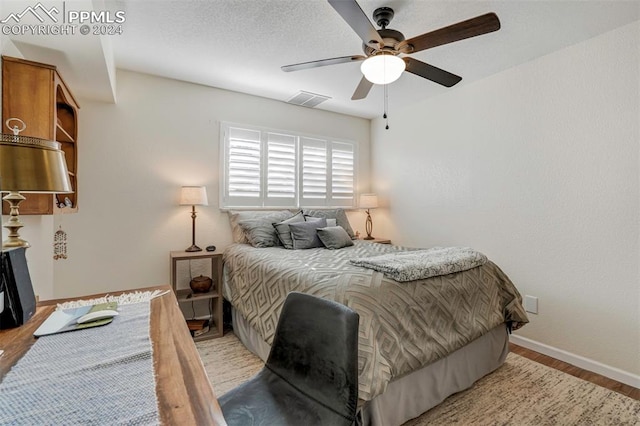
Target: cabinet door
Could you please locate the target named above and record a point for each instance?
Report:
(27, 94)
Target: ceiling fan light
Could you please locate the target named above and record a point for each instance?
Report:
(382, 69)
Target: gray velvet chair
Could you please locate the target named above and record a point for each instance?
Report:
(311, 375)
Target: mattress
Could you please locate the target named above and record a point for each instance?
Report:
(403, 326)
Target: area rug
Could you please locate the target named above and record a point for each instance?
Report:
(521, 392)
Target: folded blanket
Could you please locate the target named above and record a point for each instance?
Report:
(420, 264)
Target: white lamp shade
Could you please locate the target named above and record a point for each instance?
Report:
(382, 69)
(368, 201)
(193, 196)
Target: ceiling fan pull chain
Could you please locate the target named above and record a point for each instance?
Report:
(386, 105)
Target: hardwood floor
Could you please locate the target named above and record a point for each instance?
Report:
(599, 380)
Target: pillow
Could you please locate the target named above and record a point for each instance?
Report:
(334, 237)
(333, 222)
(304, 234)
(312, 218)
(338, 214)
(259, 232)
(235, 216)
(283, 231)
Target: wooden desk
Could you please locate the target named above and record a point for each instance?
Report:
(185, 395)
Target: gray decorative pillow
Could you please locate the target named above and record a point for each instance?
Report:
(283, 231)
(260, 231)
(235, 216)
(313, 218)
(304, 234)
(334, 237)
(338, 214)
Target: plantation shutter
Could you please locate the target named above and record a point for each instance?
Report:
(281, 170)
(243, 167)
(266, 168)
(313, 180)
(342, 174)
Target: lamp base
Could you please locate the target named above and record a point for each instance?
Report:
(14, 198)
(194, 248)
(368, 226)
(15, 242)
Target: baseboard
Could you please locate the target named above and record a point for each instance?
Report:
(579, 361)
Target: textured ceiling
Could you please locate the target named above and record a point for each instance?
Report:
(240, 44)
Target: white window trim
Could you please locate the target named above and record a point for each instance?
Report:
(298, 201)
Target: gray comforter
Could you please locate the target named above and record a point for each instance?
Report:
(403, 326)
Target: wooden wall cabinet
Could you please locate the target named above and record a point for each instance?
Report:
(36, 94)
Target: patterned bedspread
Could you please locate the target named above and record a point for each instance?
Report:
(403, 326)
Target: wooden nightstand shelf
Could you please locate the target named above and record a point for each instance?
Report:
(213, 296)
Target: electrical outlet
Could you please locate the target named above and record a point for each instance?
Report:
(531, 304)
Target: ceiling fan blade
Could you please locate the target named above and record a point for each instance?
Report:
(362, 90)
(470, 28)
(322, 63)
(430, 72)
(353, 14)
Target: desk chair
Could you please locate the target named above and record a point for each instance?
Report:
(311, 375)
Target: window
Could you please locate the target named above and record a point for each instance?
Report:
(270, 168)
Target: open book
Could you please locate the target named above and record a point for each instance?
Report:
(66, 319)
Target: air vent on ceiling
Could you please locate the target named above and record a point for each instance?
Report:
(307, 99)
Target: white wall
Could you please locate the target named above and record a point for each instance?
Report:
(538, 167)
(134, 157)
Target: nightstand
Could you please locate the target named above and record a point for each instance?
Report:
(213, 296)
(378, 240)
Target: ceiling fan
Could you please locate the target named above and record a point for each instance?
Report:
(382, 48)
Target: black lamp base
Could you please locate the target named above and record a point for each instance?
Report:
(193, 247)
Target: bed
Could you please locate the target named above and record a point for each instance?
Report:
(419, 341)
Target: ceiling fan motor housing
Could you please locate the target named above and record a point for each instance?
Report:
(390, 37)
(383, 16)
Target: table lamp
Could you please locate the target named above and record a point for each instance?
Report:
(193, 196)
(28, 164)
(368, 201)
